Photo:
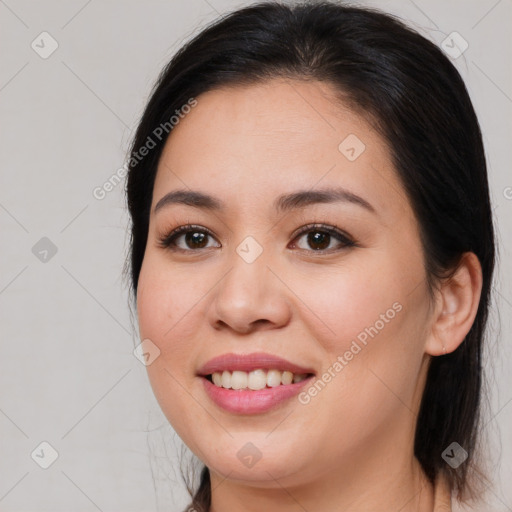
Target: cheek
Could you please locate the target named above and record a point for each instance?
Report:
(371, 374)
(349, 303)
(370, 328)
(164, 308)
(165, 301)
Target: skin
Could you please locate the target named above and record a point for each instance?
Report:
(351, 447)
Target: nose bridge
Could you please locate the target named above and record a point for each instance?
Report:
(249, 274)
(250, 249)
(249, 293)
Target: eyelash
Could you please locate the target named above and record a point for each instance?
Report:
(168, 241)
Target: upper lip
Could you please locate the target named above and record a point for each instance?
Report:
(250, 362)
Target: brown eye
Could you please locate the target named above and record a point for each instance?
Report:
(320, 237)
(194, 238)
(318, 240)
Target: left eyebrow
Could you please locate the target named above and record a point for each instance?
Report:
(303, 198)
(285, 202)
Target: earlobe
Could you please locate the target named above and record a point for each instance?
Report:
(456, 307)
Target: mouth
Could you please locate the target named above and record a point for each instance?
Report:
(252, 383)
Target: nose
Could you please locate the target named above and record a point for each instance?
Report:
(250, 297)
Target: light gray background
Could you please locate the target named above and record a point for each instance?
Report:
(67, 372)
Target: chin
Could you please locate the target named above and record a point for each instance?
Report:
(262, 474)
(252, 460)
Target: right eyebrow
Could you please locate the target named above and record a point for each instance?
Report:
(190, 198)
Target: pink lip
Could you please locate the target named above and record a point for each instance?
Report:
(250, 362)
(249, 401)
(252, 402)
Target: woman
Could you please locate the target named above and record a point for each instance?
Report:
(311, 255)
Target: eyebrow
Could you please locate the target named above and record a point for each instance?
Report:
(283, 203)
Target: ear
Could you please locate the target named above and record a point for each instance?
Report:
(456, 307)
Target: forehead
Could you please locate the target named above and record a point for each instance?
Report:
(256, 142)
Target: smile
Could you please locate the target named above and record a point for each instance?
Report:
(252, 383)
(255, 380)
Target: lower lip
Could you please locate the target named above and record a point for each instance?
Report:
(252, 402)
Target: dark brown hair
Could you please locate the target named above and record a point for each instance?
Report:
(418, 101)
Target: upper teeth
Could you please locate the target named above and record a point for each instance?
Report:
(257, 379)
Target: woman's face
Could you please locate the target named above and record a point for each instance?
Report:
(350, 310)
